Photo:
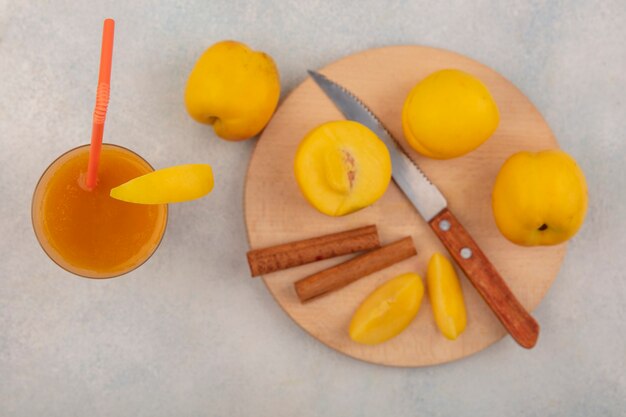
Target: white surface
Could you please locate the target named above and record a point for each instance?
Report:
(190, 334)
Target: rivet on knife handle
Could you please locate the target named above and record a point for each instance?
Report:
(485, 278)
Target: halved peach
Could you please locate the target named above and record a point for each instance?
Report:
(342, 167)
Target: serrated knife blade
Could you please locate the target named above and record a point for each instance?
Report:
(432, 205)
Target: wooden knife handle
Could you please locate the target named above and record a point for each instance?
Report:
(487, 281)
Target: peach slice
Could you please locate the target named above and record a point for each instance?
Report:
(168, 185)
(446, 296)
(342, 167)
(388, 310)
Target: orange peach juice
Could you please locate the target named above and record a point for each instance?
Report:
(89, 233)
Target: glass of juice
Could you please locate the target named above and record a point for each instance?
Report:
(89, 233)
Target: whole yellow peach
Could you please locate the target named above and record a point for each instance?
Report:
(539, 198)
(233, 88)
(448, 114)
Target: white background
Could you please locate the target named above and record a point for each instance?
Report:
(190, 334)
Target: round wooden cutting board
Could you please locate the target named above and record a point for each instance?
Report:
(277, 213)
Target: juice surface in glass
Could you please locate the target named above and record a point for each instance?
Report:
(87, 232)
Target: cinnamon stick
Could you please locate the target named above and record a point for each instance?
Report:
(345, 273)
(288, 255)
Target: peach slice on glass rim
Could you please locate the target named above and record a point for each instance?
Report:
(168, 185)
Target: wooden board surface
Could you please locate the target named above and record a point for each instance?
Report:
(276, 212)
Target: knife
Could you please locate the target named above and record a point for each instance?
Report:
(433, 207)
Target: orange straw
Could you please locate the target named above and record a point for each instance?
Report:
(102, 101)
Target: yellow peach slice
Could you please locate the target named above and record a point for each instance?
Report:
(169, 185)
(446, 297)
(342, 167)
(388, 310)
